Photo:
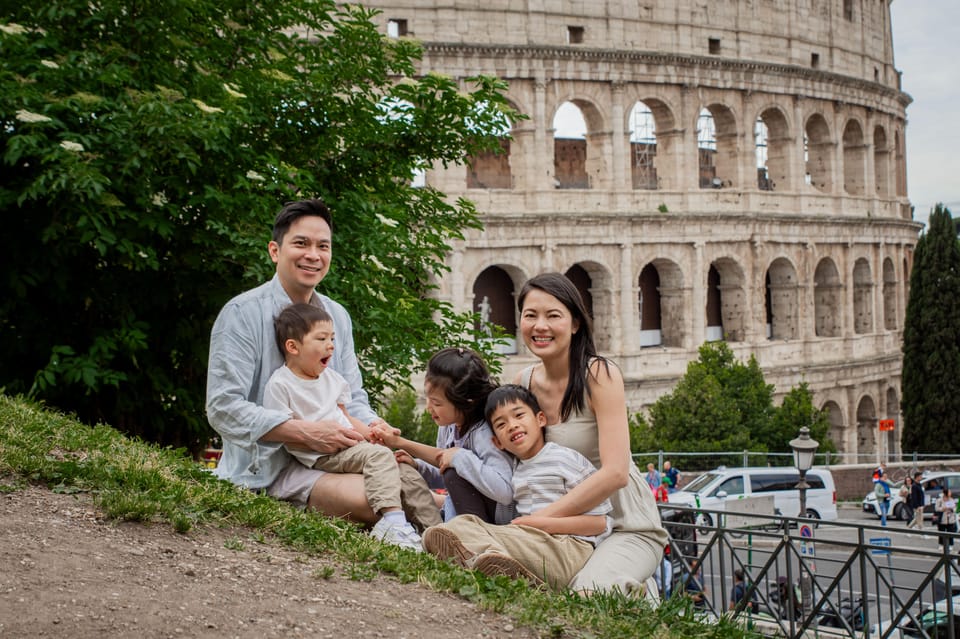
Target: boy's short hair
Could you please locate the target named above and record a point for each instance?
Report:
(295, 321)
(293, 211)
(507, 394)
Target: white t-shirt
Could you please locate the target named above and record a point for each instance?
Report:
(308, 399)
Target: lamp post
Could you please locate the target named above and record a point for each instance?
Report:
(804, 449)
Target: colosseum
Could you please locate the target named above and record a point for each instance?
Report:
(740, 175)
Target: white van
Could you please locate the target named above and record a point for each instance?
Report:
(715, 488)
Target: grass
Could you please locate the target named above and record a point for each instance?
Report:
(132, 480)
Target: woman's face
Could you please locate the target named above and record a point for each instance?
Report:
(546, 324)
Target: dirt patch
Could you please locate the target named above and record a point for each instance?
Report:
(68, 572)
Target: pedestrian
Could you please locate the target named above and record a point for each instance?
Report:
(672, 473)
(881, 490)
(917, 499)
(947, 522)
(906, 508)
(653, 477)
(693, 586)
(739, 593)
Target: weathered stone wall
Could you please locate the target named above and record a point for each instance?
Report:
(807, 258)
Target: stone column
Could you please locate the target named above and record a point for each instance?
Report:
(628, 337)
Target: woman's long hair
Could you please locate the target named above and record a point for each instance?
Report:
(465, 380)
(583, 351)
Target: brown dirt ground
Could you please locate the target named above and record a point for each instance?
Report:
(65, 571)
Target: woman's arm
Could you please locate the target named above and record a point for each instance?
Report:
(586, 525)
(608, 401)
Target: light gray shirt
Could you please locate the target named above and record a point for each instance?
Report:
(551, 474)
(243, 355)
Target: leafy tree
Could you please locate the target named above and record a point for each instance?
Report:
(145, 150)
(931, 341)
(723, 405)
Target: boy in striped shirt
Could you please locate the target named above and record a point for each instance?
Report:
(542, 549)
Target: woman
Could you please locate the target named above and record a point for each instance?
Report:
(947, 507)
(583, 397)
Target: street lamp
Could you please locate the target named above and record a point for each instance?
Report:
(804, 449)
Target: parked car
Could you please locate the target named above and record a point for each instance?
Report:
(932, 485)
(713, 489)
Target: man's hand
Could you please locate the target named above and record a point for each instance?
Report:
(325, 436)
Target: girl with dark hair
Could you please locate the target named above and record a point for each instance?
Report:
(583, 397)
(475, 473)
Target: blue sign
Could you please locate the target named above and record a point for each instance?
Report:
(880, 541)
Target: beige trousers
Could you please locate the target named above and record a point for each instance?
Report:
(386, 483)
(554, 558)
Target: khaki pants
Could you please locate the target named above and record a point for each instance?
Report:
(554, 558)
(386, 483)
(917, 521)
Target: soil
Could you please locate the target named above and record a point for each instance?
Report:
(66, 571)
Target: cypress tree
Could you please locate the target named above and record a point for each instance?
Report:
(931, 341)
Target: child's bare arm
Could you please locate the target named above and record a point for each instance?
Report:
(587, 525)
(358, 426)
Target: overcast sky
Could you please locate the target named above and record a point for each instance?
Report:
(926, 48)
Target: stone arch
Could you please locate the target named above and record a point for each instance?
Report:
(782, 300)
(889, 295)
(494, 299)
(773, 143)
(579, 156)
(837, 431)
(862, 297)
(854, 158)
(866, 427)
(595, 285)
(818, 153)
(725, 301)
(827, 299)
(892, 437)
(661, 304)
(881, 162)
(492, 169)
(717, 147)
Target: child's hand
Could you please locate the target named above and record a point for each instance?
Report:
(383, 433)
(403, 457)
(445, 458)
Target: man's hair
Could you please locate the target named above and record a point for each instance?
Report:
(507, 394)
(738, 574)
(295, 321)
(293, 211)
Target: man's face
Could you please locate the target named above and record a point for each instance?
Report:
(303, 256)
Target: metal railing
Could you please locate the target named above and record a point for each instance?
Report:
(744, 458)
(861, 580)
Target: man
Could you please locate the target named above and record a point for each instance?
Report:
(672, 473)
(243, 355)
(739, 593)
(693, 586)
(917, 499)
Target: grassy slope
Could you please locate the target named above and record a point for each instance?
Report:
(136, 481)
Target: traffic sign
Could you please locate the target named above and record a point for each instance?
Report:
(886, 424)
(880, 541)
(806, 531)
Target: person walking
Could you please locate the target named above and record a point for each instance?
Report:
(881, 489)
(906, 509)
(917, 499)
(947, 523)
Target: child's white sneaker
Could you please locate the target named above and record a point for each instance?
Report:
(402, 535)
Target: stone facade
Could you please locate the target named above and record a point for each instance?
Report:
(765, 204)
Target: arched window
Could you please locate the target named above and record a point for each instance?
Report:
(491, 169)
(889, 295)
(837, 431)
(714, 316)
(725, 295)
(854, 158)
(783, 307)
(649, 286)
(818, 149)
(570, 148)
(867, 424)
(827, 298)
(881, 162)
(862, 297)
(773, 144)
(643, 147)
